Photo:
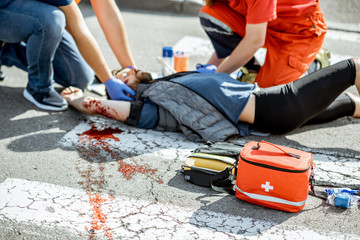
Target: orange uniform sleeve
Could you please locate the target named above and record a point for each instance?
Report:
(260, 11)
(255, 11)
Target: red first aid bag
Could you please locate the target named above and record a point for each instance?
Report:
(273, 176)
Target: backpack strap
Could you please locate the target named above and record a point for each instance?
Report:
(138, 104)
(223, 181)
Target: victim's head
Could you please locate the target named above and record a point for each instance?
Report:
(132, 77)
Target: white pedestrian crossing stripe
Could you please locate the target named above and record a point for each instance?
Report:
(49, 206)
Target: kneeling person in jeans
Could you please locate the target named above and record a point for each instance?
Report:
(37, 42)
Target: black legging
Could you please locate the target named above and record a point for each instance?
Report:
(283, 108)
(342, 106)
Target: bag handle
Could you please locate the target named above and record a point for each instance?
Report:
(282, 150)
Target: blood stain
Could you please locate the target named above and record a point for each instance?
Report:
(129, 170)
(100, 135)
(91, 142)
(99, 217)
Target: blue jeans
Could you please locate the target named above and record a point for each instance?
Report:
(37, 42)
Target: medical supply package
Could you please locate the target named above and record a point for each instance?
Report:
(273, 176)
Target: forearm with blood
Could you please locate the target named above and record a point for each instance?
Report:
(96, 106)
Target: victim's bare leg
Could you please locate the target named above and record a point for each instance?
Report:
(356, 100)
(357, 79)
(354, 97)
(118, 110)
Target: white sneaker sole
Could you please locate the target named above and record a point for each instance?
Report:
(31, 99)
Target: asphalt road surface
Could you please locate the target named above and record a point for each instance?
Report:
(70, 176)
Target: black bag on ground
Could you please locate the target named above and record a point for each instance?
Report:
(213, 165)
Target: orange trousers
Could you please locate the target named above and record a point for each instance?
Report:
(291, 42)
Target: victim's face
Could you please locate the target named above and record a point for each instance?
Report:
(130, 77)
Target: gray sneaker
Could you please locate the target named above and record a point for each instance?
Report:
(51, 100)
(2, 75)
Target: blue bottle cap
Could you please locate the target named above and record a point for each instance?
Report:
(168, 52)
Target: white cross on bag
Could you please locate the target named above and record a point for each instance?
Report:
(267, 186)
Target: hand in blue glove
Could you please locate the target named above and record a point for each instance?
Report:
(206, 68)
(117, 89)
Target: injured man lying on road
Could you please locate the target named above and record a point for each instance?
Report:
(214, 107)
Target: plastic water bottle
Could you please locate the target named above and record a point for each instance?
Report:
(168, 57)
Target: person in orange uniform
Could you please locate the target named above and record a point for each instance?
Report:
(292, 31)
(112, 24)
